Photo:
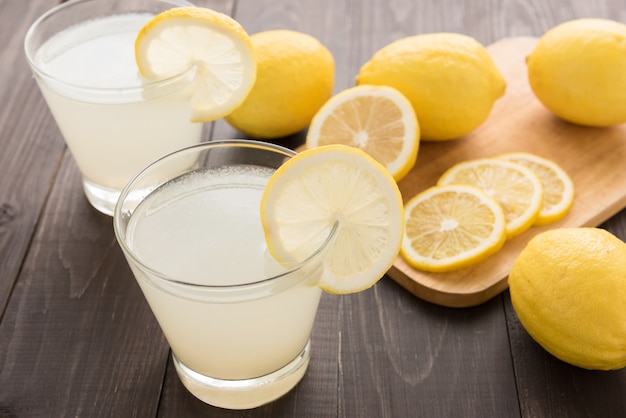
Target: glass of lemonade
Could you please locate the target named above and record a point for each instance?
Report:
(238, 322)
(114, 123)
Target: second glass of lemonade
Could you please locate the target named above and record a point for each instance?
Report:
(238, 322)
(114, 123)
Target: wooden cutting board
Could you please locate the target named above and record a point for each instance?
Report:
(595, 158)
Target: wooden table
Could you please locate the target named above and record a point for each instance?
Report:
(77, 338)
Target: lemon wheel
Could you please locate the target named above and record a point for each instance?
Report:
(335, 185)
(214, 43)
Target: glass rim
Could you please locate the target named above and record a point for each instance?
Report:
(247, 143)
(119, 90)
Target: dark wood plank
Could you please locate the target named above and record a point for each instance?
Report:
(78, 339)
(404, 357)
(31, 146)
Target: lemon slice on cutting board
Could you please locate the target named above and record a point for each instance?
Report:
(217, 45)
(330, 185)
(558, 188)
(450, 227)
(515, 187)
(377, 119)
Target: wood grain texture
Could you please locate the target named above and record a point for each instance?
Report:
(593, 157)
(410, 349)
(110, 355)
(78, 339)
(31, 145)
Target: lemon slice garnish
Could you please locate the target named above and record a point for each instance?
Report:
(214, 43)
(515, 187)
(377, 119)
(558, 188)
(450, 227)
(335, 185)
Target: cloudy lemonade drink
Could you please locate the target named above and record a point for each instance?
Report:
(114, 122)
(238, 322)
(204, 228)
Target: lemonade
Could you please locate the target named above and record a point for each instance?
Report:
(198, 229)
(238, 322)
(113, 122)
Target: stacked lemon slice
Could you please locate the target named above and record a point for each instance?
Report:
(478, 204)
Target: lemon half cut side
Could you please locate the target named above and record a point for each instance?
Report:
(377, 119)
(342, 186)
(214, 43)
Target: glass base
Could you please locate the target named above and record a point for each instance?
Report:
(102, 198)
(248, 393)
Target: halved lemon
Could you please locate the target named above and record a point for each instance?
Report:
(330, 185)
(515, 187)
(214, 43)
(450, 227)
(377, 119)
(558, 188)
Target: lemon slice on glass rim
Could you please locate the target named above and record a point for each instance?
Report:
(214, 43)
(335, 185)
(377, 119)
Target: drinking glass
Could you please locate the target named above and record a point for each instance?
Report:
(237, 321)
(113, 122)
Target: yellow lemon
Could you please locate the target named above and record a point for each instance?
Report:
(214, 43)
(295, 77)
(449, 227)
(450, 79)
(568, 288)
(377, 119)
(578, 71)
(335, 186)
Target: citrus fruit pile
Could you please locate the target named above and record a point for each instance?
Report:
(450, 227)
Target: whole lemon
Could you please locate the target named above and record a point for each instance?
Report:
(578, 71)
(568, 288)
(295, 77)
(450, 79)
